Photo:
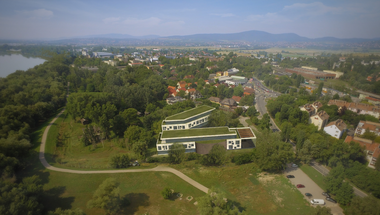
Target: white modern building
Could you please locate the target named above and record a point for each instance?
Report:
(336, 128)
(193, 118)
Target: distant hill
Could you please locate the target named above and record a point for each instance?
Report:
(119, 36)
(261, 36)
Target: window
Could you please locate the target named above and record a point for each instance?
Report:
(229, 147)
(175, 127)
(183, 127)
(237, 141)
(164, 128)
(159, 147)
(238, 146)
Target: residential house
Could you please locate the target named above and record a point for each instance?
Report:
(190, 90)
(320, 119)
(195, 95)
(172, 100)
(364, 126)
(229, 103)
(309, 109)
(336, 128)
(372, 149)
(358, 108)
(181, 83)
(248, 91)
(214, 100)
(189, 77)
(316, 105)
(236, 99)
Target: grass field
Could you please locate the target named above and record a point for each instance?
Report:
(74, 155)
(189, 113)
(316, 176)
(197, 132)
(255, 192)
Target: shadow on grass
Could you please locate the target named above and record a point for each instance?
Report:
(136, 200)
(52, 199)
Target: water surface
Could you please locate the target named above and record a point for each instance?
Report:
(10, 63)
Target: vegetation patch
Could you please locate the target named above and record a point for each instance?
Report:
(191, 112)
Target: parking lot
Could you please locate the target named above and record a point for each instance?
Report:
(310, 187)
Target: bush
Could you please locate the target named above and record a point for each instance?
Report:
(120, 161)
(217, 156)
(166, 193)
(192, 156)
(242, 159)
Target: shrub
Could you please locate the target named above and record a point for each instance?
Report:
(166, 193)
(192, 156)
(242, 159)
(120, 161)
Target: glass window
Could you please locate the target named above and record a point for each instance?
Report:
(159, 148)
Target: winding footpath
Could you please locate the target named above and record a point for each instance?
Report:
(156, 169)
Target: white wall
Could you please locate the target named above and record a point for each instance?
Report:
(333, 131)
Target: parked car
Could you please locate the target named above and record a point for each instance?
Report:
(294, 165)
(300, 186)
(326, 194)
(290, 176)
(308, 194)
(136, 163)
(330, 200)
(317, 202)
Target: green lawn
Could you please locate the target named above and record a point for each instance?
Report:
(189, 113)
(255, 192)
(75, 190)
(197, 132)
(316, 176)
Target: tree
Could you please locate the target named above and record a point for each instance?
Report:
(166, 193)
(215, 202)
(21, 198)
(238, 91)
(319, 89)
(140, 148)
(286, 128)
(107, 197)
(335, 96)
(59, 211)
(334, 179)
(216, 156)
(120, 161)
(344, 194)
(177, 153)
(251, 111)
(321, 211)
(364, 206)
(271, 153)
(132, 135)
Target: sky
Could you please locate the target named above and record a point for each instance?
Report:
(55, 19)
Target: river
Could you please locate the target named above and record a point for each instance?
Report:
(10, 63)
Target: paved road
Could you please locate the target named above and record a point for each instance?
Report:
(156, 169)
(310, 187)
(324, 171)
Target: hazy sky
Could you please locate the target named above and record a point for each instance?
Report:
(38, 19)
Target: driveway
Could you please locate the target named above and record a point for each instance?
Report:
(310, 187)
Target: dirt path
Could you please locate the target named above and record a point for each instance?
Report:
(156, 169)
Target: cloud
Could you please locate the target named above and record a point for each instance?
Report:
(223, 14)
(315, 8)
(144, 22)
(111, 20)
(268, 18)
(39, 13)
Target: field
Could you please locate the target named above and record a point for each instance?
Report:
(254, 191)
(189, 113)
(197, 132)
(71, 152)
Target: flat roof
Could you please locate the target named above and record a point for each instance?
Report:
(245, 133)
(197, 132)
(189, 113)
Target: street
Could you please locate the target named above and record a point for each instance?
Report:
(324, 171)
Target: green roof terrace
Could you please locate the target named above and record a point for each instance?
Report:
(198, 132)
(189, 113)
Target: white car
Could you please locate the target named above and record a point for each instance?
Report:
(294, 165)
